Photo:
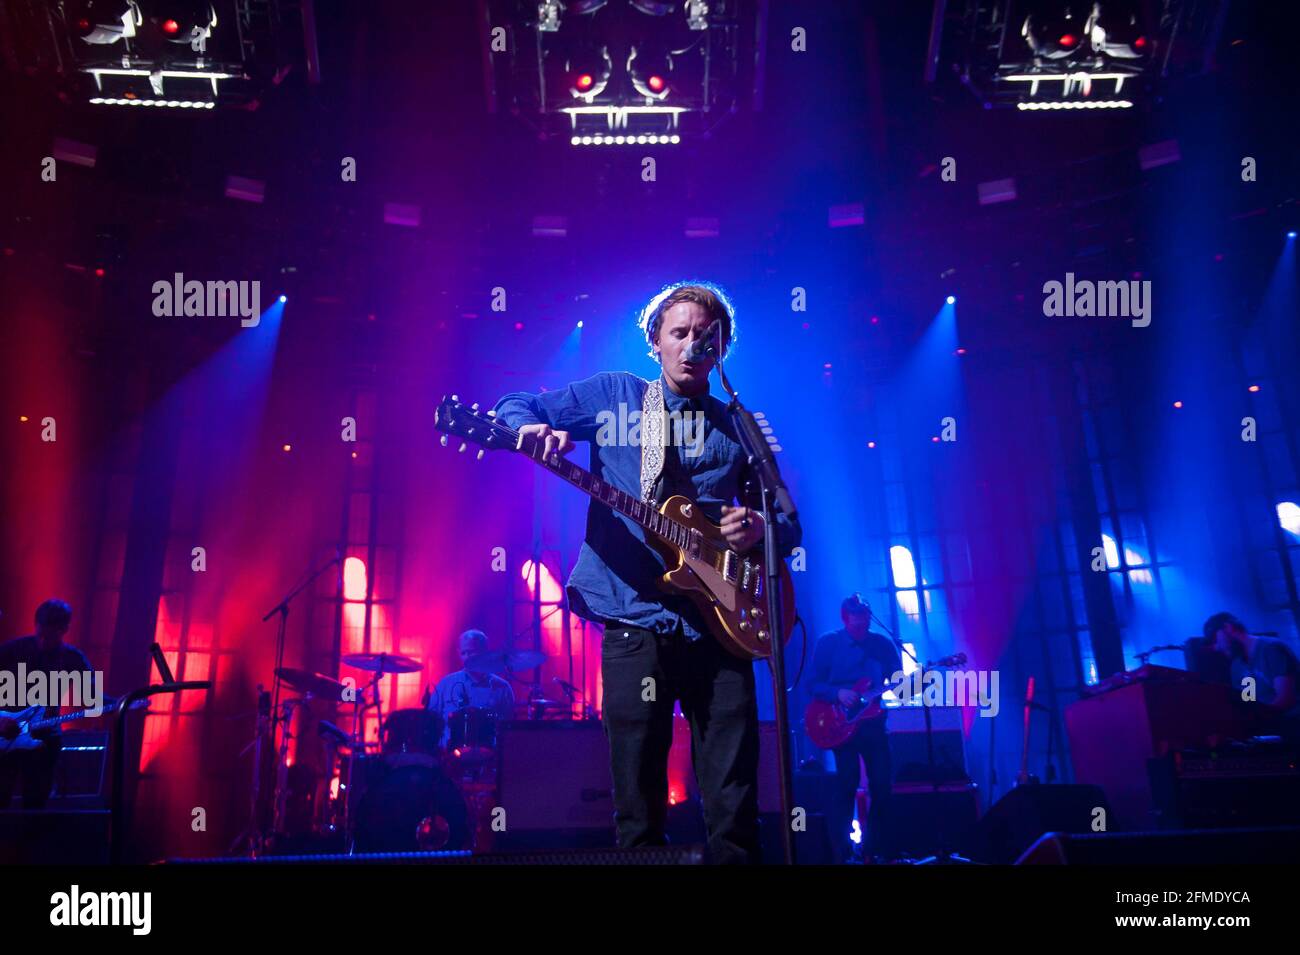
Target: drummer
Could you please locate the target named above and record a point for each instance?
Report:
(473, 688)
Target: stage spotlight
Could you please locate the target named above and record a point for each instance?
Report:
(697, 14)
(184, 22)
(1116, 33)
(1056, 36)
(588, 73)
(103, 22)
(951, 300)
(579, 323)
(283, 299)
(649, 73)
(1290, 235)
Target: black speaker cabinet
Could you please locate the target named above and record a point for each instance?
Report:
(1025, 813)
(554, 775)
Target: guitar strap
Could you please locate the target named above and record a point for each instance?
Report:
(652, 439)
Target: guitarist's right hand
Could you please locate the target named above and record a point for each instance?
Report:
(8, 727)
(554, 441)
(848, 698)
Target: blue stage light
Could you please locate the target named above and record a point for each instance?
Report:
(283, 299)
(952, 299)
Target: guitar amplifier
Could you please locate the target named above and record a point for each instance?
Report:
(1248, 787)
(908, 748)
(554, 775)
(79, 771)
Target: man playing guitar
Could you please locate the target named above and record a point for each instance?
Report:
(842, 659)
(657, 648)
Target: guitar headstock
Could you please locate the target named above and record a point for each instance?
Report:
(454, 417)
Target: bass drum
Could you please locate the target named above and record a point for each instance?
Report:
(411, 808)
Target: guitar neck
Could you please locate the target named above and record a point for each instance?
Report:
(643, 513)
(56, 720)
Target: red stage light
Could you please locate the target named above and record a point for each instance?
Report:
(170, 27)
(585, 81)
(83, 25)
(1068, 39)
(1178, 404)
(656, 83)
(99, 273)
(1140, 43)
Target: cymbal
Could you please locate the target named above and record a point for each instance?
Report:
(499, 661)
(383, 662)
(318, 684)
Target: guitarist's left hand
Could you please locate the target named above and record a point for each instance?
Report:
(741, 526)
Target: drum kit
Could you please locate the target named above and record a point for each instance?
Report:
(427, 783)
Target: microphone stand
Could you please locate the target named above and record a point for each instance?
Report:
(773, 492)
(282, 608)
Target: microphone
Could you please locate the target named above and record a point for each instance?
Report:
(703, 347)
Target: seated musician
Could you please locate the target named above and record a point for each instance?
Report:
(44, 651)
(1265, 666)
(473, 688)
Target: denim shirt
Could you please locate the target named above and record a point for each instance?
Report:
(617, 572)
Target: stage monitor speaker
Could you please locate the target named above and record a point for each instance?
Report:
(1279, 845)
(554, 775)
(1025, 813)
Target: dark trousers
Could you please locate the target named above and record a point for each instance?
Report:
(870, 744)
(644, 674)
(36, 768)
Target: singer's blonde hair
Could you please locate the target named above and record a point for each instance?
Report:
(711, 296)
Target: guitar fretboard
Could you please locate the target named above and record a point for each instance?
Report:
(643, 513)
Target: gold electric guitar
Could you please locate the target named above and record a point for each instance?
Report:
(728, 587)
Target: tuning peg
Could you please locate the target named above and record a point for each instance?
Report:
(462, 447)
(492, 412)
(455, 397)
(479, 456)
(443, 440)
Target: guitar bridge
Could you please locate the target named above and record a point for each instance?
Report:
(729, 566)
